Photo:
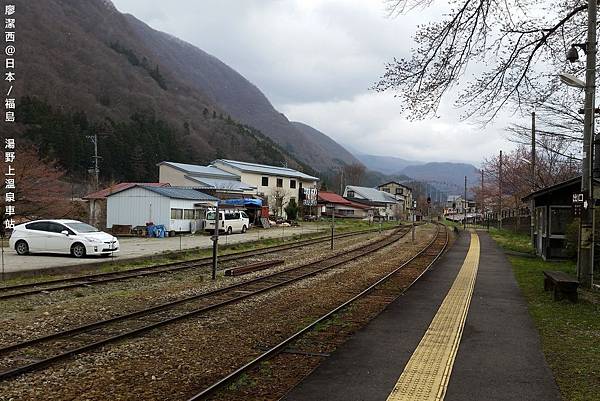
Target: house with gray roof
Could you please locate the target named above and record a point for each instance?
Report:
(387, 206)
(179, 209)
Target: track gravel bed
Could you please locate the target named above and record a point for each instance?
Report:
(176, 361)
(34, 317)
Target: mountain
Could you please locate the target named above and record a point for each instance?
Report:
(90, 68)
(234, 93)
(385, 164)
(446, 177)
(338, 152)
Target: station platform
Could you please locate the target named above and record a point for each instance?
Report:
(461, 333)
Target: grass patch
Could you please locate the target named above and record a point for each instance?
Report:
(512, 241)
(570, 333)
(242, 381)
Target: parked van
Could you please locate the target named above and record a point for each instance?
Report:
(229, 221)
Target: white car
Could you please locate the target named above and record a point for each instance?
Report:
(62, 236)
(230, 222)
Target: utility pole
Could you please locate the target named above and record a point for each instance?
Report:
(533, 186)
(466, 205)
(500, 193)
(533, 154)
(585, 257)
(482, 198)
(94, 139)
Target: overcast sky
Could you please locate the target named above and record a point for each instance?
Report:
(316, 60)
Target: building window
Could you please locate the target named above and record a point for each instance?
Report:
(265, 181)
(560, 218)
(398, 191)
(176, 214)
(280, 183)
(385, 189)
(293, 184)
(350, 194)
(188, 214)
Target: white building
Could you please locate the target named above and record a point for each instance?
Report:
(276, 185)
(174, 207)
(207, 178)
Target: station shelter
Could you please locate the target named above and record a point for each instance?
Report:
(552, 214)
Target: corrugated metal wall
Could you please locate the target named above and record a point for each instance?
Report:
(136, 207)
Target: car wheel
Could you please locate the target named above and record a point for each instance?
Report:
(78, 250)
(244, 228)
(22, 248)
(229, 230)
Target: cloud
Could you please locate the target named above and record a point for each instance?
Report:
(302, 50)
(315, 60)
(370, 122)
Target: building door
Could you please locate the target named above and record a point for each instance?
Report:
(540, 229)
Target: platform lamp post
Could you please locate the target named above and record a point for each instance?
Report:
(585, 256)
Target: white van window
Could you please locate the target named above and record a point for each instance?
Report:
(244, 215)
(211, 216)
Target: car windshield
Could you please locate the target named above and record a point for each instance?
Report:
(211, 216)
(82, 227)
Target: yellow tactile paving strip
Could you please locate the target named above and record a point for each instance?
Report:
(426, 375)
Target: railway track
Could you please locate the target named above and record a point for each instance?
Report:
(39, 352)
(425, 258)
(42, 287)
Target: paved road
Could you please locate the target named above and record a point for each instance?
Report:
(499, 357)
(139, 247)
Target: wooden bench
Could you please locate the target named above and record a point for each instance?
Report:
(560, 284)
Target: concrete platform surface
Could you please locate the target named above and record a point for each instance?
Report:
(499, 356)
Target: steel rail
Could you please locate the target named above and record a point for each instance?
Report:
(346, 256)
(283, 344)
(101, 278)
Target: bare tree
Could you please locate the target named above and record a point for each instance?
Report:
(517, 45)
(279, 196)
(517, 181)
(40, 191)
(354, 173)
